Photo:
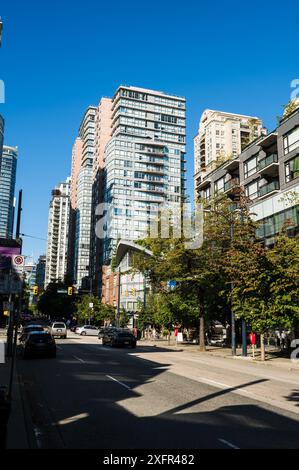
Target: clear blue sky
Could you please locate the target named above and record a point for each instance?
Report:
(58, 57)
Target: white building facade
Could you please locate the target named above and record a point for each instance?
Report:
(221, 136)
(58, 231)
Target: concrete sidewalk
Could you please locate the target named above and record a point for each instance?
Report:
(17, 432)
(272, 355)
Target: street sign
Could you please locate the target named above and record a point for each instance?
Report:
(171, 285)
(61, 291)
(18, 260)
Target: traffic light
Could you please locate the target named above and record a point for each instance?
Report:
(133, 291)
(35, 290)
(70, 291)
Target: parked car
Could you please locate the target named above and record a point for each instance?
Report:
(59, 329)
(87, 330)
(120, 337)
(26, 330)
(39, 343)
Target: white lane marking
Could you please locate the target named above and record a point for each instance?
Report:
(78, 359)
(226, 386)
(72, 419)
(229, 444)
(118, 381)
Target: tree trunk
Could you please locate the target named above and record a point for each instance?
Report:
(168, 337)
(262, 347)
(202, 343)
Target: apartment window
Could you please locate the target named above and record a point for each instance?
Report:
(291, 140)
(250, 167)
(251, 190)
(206, 194)
(292, 169)
(219, 185)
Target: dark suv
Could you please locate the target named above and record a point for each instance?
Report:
(120, 337)
(39, 343)
(104, 330)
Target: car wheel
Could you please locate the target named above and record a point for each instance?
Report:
(83, 333)
(133, 346)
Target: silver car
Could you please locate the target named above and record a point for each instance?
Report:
(58, 329)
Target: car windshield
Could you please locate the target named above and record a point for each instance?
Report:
(33, 328)
(59, 325)
(125, 334)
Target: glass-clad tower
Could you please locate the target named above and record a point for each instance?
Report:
(83, 189)
(144, 161)
(8, 168)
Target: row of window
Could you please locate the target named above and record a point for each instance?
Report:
(252, 189)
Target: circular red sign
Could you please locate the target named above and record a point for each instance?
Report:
(18, 260)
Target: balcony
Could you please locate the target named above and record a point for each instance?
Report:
(201, 184)
(231, 184)
(268, 164)
(269, 188)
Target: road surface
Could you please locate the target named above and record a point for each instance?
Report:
(96, 397)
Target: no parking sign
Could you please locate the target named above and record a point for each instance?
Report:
(18, 260)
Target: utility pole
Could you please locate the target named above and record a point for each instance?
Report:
(19, 215)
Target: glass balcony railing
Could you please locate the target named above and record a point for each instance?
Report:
(273, 158)
(232, 183)
(268, 188)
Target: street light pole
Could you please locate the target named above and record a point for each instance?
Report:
(144, 291)
(244, 329)
(118, 299)
(233, 321)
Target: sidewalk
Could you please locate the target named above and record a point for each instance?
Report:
(17, 435)
(272, 357)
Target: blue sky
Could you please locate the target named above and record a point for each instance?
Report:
(59, 57)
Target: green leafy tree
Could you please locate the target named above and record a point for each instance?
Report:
(98, 314)
(266, 284)
(200, 270)
(53, 304)
(290, 107)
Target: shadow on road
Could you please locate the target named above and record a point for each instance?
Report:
(80, 404)
(294, 397)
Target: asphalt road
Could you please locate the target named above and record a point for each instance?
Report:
(96, 397)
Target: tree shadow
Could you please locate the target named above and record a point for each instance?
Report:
(112, 399)
(294, 396)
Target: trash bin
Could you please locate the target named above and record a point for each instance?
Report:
(4, 415)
